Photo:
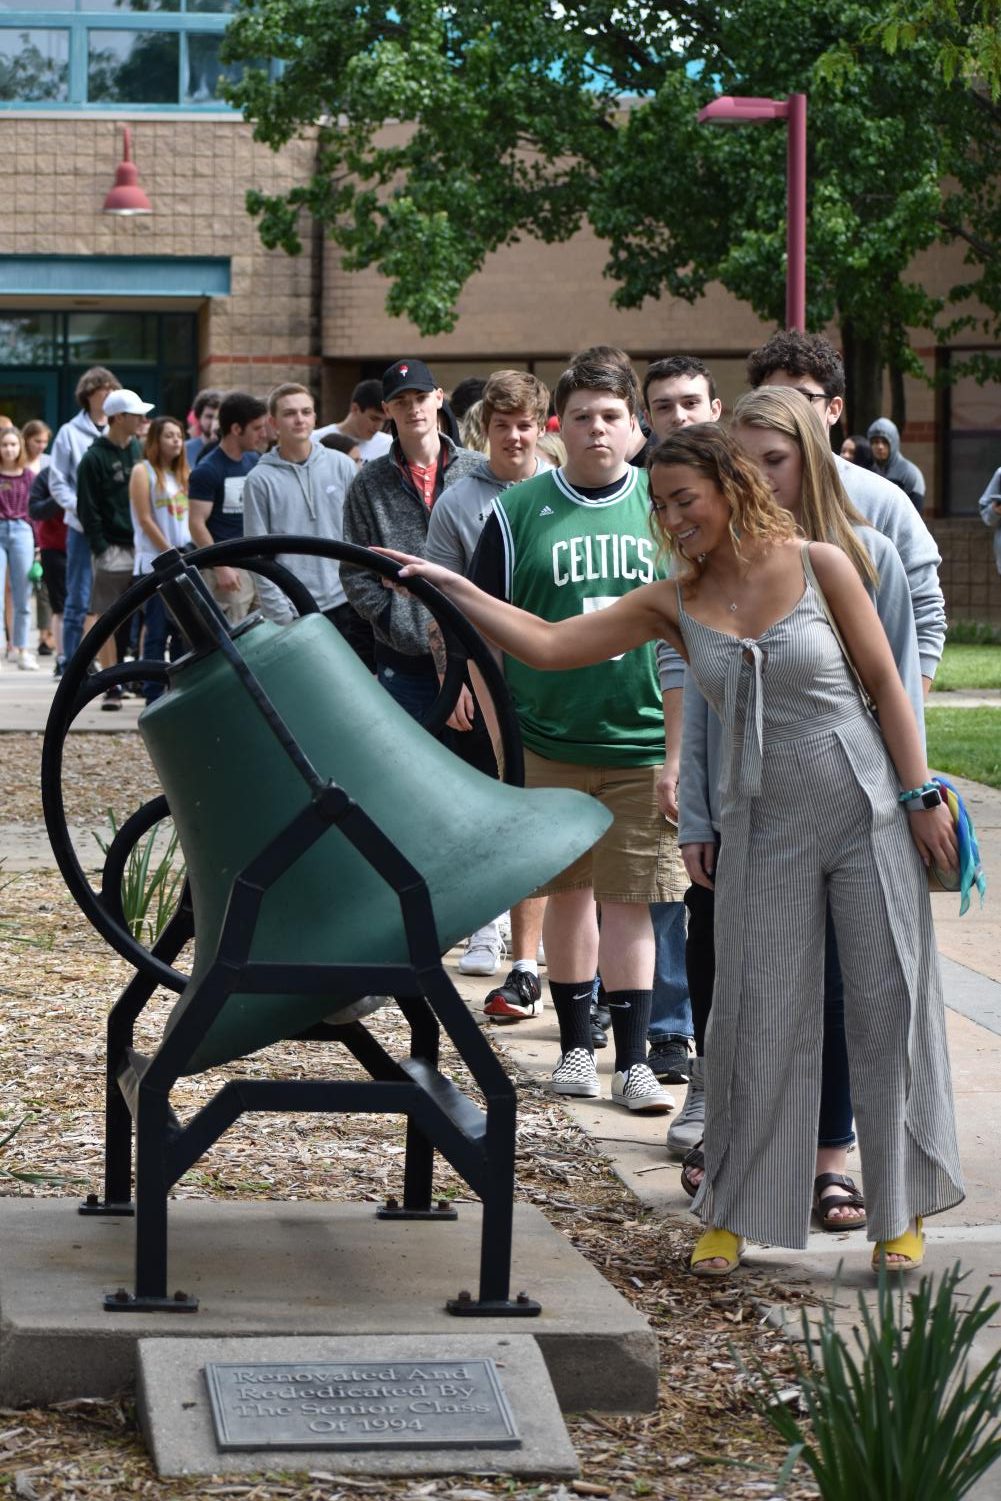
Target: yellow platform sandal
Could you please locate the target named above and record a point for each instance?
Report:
(716, 1245)
(910, 1247)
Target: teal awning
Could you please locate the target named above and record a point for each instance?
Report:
(114, 276)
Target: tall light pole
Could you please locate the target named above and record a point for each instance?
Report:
(731, 110)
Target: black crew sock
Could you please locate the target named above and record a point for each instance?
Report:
(572, 1003)
(630, 1010)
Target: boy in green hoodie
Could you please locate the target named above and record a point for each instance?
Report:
(102, 487)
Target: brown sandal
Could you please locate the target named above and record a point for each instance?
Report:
(696, 1159)
(851, 1198)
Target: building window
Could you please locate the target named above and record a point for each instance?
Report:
(35, 64)
(43, 355)
(109, 53)
(132, 67)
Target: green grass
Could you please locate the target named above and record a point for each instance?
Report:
(973, 633)
(969, 667)
(966, 742)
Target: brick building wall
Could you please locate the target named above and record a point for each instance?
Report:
(303, 318)
(970, 580)
(535, 304)
(195, 173)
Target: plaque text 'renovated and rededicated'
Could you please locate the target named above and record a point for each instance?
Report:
(406, 1404)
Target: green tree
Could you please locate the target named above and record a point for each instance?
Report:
(966, 36)
(524, 117)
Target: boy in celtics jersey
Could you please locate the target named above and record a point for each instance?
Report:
(564, 543)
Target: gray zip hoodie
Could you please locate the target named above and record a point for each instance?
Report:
(461, 513)
(72, 441)
(307, 500)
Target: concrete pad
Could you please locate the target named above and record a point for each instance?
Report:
(26, 846)
(972, 994)
(176, 1415)
(304, 1269)
(25, 699)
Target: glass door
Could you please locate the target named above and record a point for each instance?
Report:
(25, 394)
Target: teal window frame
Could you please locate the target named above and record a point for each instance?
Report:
(79, 23)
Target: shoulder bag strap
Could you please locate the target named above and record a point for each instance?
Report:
(867, 697)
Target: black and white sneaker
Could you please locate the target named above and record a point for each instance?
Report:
(637, 1089)
(576, 1075)
(519, 997)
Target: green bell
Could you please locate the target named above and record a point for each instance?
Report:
(479, 844)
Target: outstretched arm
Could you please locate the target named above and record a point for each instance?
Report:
(862, 630)
(642, 615)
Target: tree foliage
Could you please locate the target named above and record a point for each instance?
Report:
(524, 117)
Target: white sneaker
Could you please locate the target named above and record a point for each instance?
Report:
(27, 661)
(504, 927)
(576, 1075)
(688, 1127)
(484, 951)
(638, 1089)
(354, 1010)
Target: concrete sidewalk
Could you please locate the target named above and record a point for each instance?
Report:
(971, 960)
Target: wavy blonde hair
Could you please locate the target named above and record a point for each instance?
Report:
(755, 515)
(826, 514)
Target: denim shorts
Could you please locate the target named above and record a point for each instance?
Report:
(636, 859)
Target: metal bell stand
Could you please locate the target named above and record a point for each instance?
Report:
(479, 1143)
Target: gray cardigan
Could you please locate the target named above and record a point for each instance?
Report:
(702, 733)
(383, 509)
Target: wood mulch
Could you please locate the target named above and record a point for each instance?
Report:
(57, 979)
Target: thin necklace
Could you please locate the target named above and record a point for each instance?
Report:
(732, 605)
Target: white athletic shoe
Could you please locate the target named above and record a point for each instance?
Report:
(354, 1010)
(576, 1075)
(637, 1089)
(688, 1127)
(484, 951)
(27, 661)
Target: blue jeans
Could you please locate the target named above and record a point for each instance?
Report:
(413, 691)
(161, 633)
(17, 548)
(78, 580)
(671, 1013)
(835, 1125)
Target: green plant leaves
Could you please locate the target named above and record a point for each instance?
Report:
(898, 1408)
(152, 882)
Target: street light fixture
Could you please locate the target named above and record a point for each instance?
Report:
(731, 110)
(127, 197)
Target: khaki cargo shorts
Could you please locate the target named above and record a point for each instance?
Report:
(637, 858)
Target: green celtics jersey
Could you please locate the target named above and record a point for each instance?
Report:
(566, 554)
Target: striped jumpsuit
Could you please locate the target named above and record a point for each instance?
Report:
(809, 807)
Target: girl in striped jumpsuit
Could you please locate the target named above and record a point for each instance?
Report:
(811, 812)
